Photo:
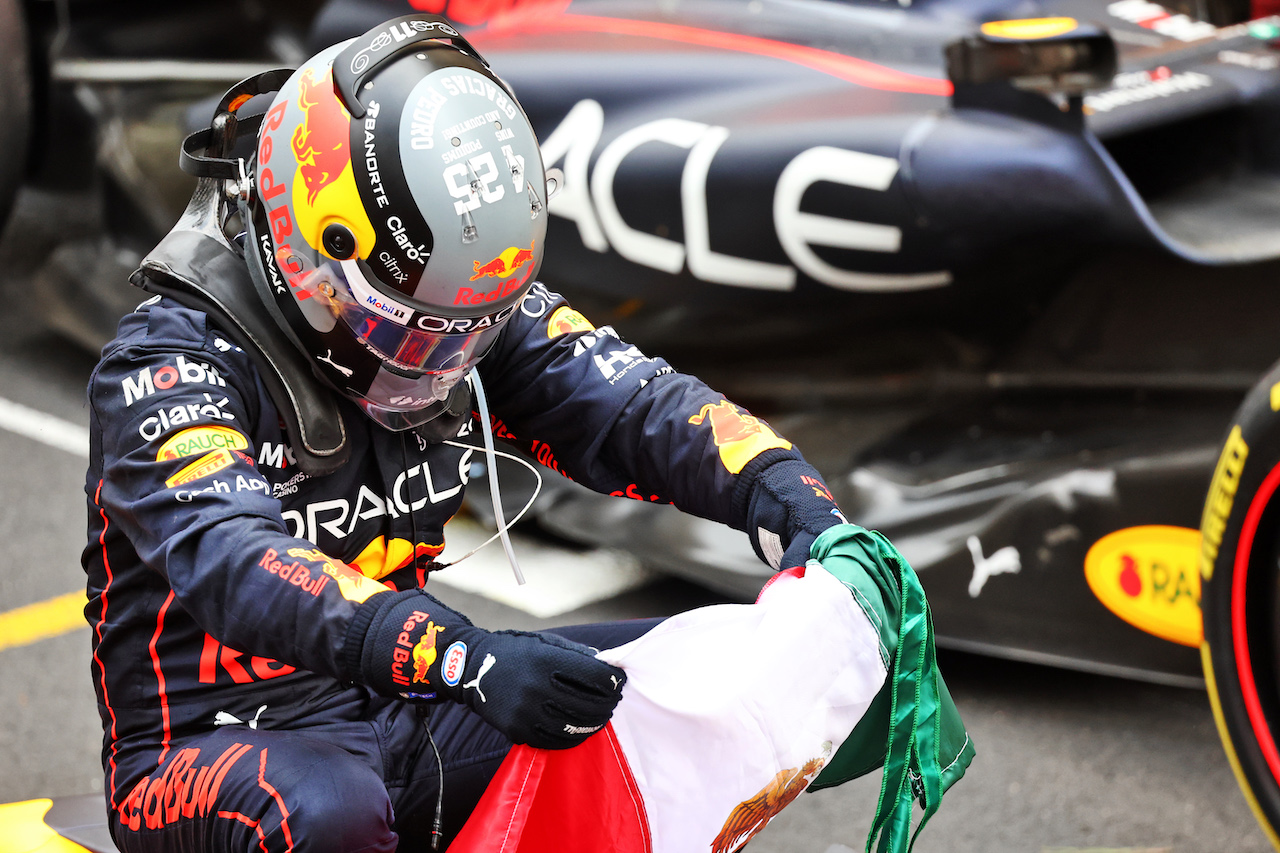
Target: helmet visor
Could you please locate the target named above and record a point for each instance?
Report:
(401, 336)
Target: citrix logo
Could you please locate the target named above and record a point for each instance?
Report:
(145, 382)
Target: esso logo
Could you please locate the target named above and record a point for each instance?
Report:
(455, 659)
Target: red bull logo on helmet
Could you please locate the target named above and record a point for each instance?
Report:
(467, 296)
(504, 267)
(505, 264)
(738, 436)
(312, 129)
(321, 143)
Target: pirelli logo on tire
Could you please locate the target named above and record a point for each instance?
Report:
(1222, 495)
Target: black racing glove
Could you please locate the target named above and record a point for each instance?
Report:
(538, 689)
(787, 503)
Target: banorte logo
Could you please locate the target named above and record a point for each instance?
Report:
(322, 142)
(738, 436)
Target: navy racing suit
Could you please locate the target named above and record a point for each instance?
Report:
(222, 579)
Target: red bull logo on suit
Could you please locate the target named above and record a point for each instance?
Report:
(738, 436)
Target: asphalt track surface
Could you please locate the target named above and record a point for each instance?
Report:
(1066, 761)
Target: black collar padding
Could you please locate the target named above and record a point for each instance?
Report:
(198, 271)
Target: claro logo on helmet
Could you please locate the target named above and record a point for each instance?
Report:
(417, 253)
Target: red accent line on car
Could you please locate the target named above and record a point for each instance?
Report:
(850, 68)
(1244, 668)
(160, 682)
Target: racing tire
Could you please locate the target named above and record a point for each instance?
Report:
(1240, 599)
(15, 103)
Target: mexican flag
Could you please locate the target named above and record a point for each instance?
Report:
(730, 712)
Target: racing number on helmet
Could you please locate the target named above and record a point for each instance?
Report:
(472, 181)
(484, 172)
(516, 162)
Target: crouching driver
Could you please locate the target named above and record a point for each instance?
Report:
(280, 434)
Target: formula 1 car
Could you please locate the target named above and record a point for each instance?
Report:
(1003, 281)
(1003, 270)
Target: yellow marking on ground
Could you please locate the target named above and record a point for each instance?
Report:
(26, 832)
(42, 620)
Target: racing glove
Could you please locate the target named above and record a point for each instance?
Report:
(538, 689)
(788, 503)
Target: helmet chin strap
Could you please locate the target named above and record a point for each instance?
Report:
(494, 494)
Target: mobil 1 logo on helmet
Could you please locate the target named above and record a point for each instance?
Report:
(146, 381)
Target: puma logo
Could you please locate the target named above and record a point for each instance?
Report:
(327, 358)
(485, 666)
(222, 718)
(616, 681)
(1004, 561)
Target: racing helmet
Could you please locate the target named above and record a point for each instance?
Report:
(398, 214)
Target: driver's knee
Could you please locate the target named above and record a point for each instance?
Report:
(331, 807)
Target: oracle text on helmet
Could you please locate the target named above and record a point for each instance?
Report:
(587, 198)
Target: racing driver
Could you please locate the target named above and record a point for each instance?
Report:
(280, 434)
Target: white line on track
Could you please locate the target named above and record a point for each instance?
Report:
(45, 428)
